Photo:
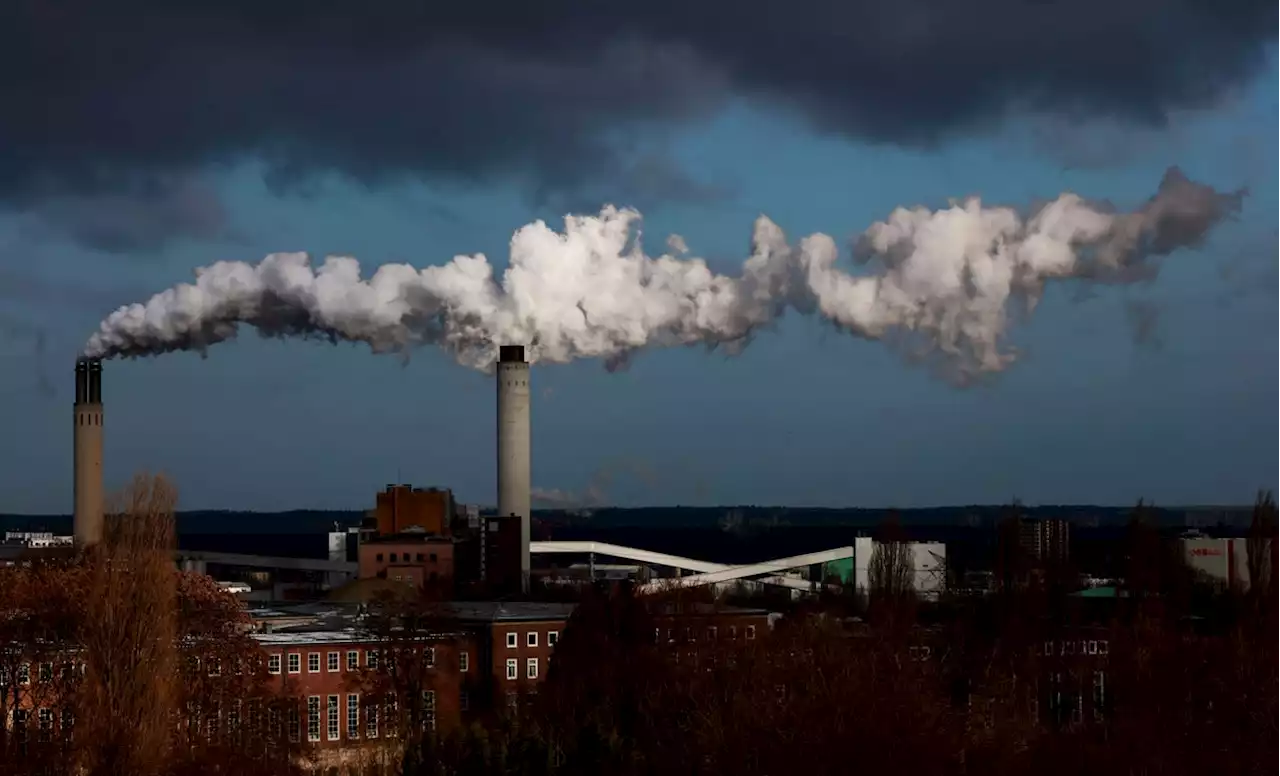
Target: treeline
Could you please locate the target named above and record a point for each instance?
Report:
(1174, 675)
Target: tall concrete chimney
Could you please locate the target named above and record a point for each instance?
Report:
(88, 452)
(513, 446)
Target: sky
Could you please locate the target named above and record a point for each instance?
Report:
(238, 133)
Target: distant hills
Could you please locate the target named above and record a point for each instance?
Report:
(728, 519)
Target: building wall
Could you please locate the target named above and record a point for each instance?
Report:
(928, 560)
(401, 506)
(350, 683)
(414, 561)
(530, 644)
(1225, 560)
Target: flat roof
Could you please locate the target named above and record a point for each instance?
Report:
(507, 611)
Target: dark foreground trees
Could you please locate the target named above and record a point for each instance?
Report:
(1031, 681)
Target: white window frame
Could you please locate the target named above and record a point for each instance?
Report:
(313, 718)
(553, 638)
(429, 656)
(371, 658)
(428, 709)
(353, 715)
(313, 662)
(464, 662)
(353, 660)
(274, 663)
(531, 639)
(295, 662)
(751, 632)
(513, 669)
(513, 640)
(333, 662)
(333, 726)
(531, 668)
(371, 720)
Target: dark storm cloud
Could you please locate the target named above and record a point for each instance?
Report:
(97, 93)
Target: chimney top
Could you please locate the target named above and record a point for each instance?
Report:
(511, 354)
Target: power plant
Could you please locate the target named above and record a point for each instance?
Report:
(513, 446)
(88, 452)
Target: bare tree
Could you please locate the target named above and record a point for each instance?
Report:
(128, 636)
(1261, 546)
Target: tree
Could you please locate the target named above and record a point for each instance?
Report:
(133, 667)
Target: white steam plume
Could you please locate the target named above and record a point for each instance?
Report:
(944, 279)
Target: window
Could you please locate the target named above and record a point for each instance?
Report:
(531, 668)
(711, 633)
(4, 676)
(294, 723)
(464, 662)
(313, 718)
(393, 557)
(332, 727)
(419, 557)
(429, 656)
(46, 672)
(68, 724)
(295, 663)
(332, 665)
(215, 667)
(513, 641)
(24, 673)
(751, 631)
(1093, 647)
(464, 701)
(371, 658)
(371, 720)
(1099, 694)
(733, 631)
(45, 716)
(432, 558)
(429, 710)
(1102, 647)
(273, 664)
(392, 714)
(513, 668)
(378, 557)
(512, 700)
(353, 660)
(531, 638)
(313, 662)
(353, 715)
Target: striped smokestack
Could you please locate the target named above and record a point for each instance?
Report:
(88, 452)
(513, 445)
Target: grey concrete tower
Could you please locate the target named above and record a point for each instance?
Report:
(513, 445)
(88, 452)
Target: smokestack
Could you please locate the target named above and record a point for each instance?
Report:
(88, 452)
(513, 446)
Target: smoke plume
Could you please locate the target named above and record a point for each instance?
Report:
(943, 280)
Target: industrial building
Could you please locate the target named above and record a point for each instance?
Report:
(1226, 561)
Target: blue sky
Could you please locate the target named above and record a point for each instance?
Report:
(805, 416)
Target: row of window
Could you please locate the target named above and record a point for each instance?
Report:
(333, 661)
(1071, 647)
(44, 724)
(403, 557)
(326, 719)
(530, 668)
(44, 672)
(712, 633)
(531, 639)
